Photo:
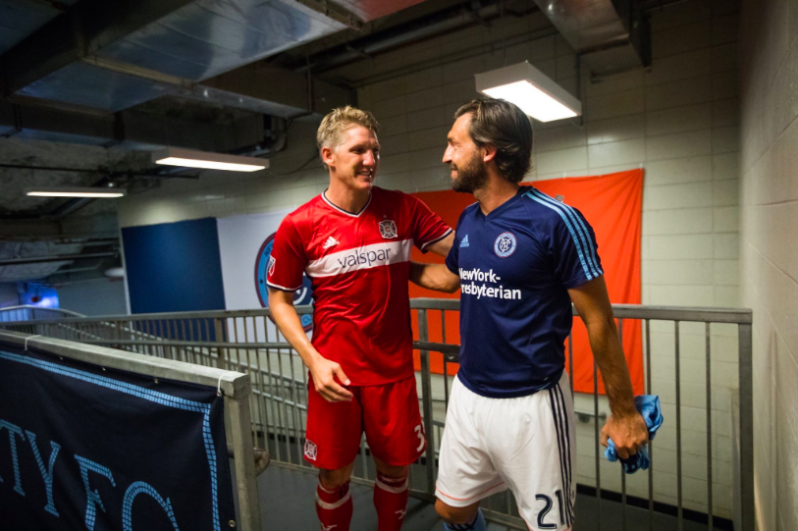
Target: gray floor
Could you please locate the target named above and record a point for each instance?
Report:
(287, 504)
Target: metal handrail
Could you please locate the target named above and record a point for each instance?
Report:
(38, 310)
(278, 402)
(621, 311)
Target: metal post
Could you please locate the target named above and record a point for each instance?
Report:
(221, 353)
(596, 443)
(623, 474)
(278, 419)
(650, 443)
(679, 515)
(263, 414)
(710, 524)
(244, 457)
(745, 345)
(445, 364)
(426, 390)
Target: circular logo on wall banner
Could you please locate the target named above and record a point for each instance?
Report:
(265, 264)
(505, 244)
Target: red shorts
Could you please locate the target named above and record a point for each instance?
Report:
(387, 413)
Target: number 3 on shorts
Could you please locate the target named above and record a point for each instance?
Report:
(419, 431)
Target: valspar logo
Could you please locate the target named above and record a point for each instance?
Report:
(364, 257)
(367, 258)
(469, 286)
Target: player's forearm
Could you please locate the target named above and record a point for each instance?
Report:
(442, 247)
(434, 276)
(291, 327)
(610, 359)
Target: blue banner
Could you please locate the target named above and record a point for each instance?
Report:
(85, 447)
(174, 267)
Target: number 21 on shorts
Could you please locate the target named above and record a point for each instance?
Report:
(547, 507)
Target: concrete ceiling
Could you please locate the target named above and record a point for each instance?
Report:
(90, 87)
(17, 250)
(41, 153)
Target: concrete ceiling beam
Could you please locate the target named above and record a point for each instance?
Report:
(102, 226)
(132, 129)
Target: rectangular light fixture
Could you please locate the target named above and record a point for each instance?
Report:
(189, 158)
(76, 191)
(533, 91)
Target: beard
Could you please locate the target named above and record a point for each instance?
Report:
(472, 176)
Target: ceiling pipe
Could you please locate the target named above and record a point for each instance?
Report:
(610, 36)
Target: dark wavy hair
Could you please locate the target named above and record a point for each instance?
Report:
(501, 124)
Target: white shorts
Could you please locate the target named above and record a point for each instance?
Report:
(526, 444)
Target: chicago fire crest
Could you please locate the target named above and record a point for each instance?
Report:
(388, 229)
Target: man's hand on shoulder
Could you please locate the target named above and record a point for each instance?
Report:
(628, 433)
(324, 373)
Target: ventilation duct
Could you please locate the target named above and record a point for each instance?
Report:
(609, 35)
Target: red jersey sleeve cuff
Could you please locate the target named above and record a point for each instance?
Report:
(282, 288)
(423, 246)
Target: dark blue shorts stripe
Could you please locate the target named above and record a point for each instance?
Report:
(562, 451)
(567, 439)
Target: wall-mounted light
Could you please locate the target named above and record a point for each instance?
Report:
(76, 191)
(533, 91)
(210, 161)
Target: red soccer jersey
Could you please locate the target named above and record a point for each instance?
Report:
(359, 265)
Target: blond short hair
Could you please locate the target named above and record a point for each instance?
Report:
(339, 120)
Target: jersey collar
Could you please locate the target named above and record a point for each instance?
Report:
(341, 210)
(521, 191)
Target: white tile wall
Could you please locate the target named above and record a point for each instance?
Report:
(768, 198)
(679, 120)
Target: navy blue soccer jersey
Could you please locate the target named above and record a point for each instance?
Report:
(515, 266)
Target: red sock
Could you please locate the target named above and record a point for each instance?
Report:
(390, 499)
(334, 507)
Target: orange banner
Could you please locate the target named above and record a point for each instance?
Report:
(613, 204)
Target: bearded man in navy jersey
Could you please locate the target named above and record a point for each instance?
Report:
(520, 258)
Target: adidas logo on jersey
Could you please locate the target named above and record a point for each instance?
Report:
(464, 241)
(331, 242)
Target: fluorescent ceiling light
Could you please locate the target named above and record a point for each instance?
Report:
(533, 91)
(210, 161)
(75, 191)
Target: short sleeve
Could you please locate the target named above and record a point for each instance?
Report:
(288, 259)
(428, 227)
(453, 258)
(574, 249)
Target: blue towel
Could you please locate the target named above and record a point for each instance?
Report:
(648, 406)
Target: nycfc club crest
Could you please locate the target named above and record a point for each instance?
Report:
(388, 229)
(505, 244)
(265, 265)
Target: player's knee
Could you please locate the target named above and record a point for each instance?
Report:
(392, 471)
(455, 515)
(334, 479)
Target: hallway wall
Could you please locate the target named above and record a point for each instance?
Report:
(769, 247)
